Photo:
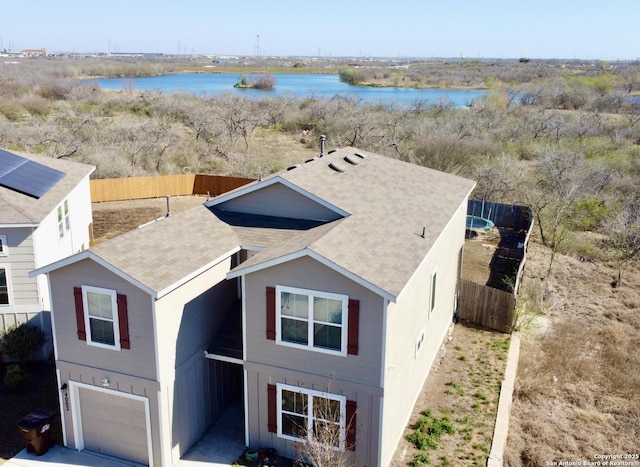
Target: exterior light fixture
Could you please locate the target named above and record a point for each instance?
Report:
(105, 381)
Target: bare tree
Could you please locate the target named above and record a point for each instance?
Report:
(624, 235)
(556, 182)
(325, 446)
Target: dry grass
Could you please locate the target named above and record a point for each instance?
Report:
(464, 387)
(577, 387)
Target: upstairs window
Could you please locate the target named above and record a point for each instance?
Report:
(312, 319)
(102, 317)
(4, 249)
(432, 292)
(64, 224)
(5, 286)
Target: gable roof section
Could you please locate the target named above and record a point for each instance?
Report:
(380, 244)
(19, 209)
(271, 191)
(161, 256)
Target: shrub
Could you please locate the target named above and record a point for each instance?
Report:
(429, 430)
(420, 460)
(20, 341)
(265, 81)
(15, 378)
(11, 110)
(37, 106)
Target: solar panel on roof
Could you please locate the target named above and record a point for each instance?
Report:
(9, 161)
(26, 176)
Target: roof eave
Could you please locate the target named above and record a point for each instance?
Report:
(88, 254)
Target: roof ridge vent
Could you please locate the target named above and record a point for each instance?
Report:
(338, 167)
(352, 160)
(361, 156)
(332, 151)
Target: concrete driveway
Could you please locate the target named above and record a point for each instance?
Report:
(220, 446)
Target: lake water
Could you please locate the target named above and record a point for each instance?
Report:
(299, 85)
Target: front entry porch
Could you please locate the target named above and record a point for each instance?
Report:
(222, 444)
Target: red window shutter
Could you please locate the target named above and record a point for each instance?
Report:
(271, 313)
(352, 331)
(77, 295)
(350, 440)
(272, 413)
(123, 322)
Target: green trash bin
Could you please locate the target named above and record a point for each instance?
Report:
(35, 429)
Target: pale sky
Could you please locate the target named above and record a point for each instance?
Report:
(570, 29)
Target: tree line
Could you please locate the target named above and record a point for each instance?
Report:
(563, 140)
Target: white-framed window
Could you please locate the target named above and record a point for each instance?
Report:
(101, 317)
(4, 249)
(306, 414)
(5, 285)
(312, 319)
(419, 342)
(64, 224)
(432, 291)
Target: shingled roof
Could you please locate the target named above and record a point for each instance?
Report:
(20, 209)
(389, 203)
(378, 210)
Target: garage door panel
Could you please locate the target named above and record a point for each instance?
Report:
(114, 425)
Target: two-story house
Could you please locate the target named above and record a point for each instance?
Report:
(45, 215)
(318, 296)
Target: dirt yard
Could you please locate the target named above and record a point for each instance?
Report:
(464, 387)
(114, 218)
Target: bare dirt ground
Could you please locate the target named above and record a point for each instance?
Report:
(478, 252)
(464, 386)
(114, 218)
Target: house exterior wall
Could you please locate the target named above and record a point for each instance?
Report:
(48, 245)
(405, 368)
(77, 361)
(357, 377)
(140, 359)
(186, 320)
(33, 247)
(120, 384)
(280, 201)
(23, 294)
(25, 303)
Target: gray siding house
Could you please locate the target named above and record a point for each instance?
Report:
(45, 215)
(316, 297)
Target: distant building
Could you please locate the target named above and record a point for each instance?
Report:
(34, 52)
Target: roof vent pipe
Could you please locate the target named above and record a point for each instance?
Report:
(323, 138)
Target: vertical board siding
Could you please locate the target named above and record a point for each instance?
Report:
(486, 306)
(119, 189)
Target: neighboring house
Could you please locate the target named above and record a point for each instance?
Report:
(331, 284)
(45, 215)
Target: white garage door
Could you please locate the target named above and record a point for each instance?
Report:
(114, 425)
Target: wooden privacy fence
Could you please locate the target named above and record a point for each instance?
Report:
(511, 216)
(120, 189)
(486, 306)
